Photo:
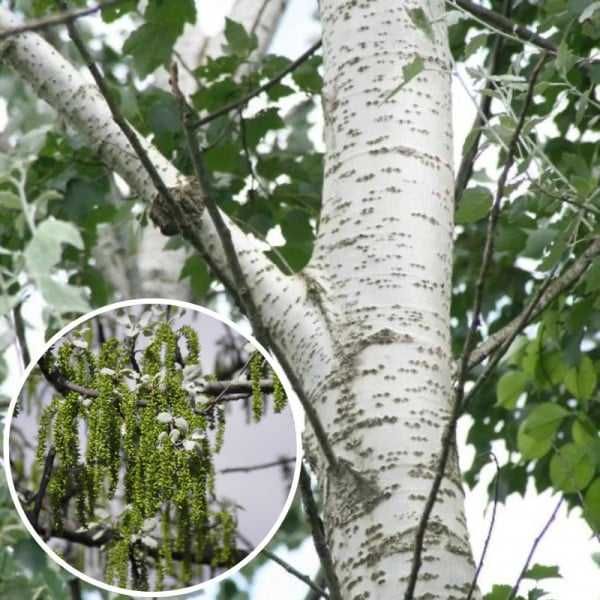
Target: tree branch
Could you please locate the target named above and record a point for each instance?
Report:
(465, 169)
(34, 517)
(59, 382)
(490, 529)
(276, 463)
(241, 285)
(236, 104)
(293, 571)
(449, 431)
(220, 389)
(318, 534)
(20, 330)
(553, 290)
(127, 130)
(61, 19)
(505, 24)
(99, 536)
(534, 546)
(523, 319)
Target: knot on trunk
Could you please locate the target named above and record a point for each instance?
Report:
(173, 213)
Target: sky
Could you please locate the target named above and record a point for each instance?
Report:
(568, 543)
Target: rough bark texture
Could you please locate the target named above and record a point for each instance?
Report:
(366, 325)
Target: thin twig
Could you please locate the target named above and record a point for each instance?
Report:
(59, 382)
(44, 481)
(490, 529)
(318, 534)
(282, 563)
(250, 468)
(505, 24)
(75, 588)
(534, 546)
(465, 169)
(259, 90)
(293, 571)
(554, 289)
(450, 428)
(244, 293)
(118, 118)
(220, 389)
(20, 330)
(61, 19)
(523, 320)
(319, 580)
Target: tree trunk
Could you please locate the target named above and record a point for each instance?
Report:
(366, 325)
(383, 259)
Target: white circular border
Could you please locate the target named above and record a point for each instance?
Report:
(296, 416)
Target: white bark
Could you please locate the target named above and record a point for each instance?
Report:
(366, 326)
(384, 255)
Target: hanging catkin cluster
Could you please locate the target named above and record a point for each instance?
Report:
(144, 437)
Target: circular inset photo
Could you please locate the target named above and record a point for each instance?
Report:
(152, 448)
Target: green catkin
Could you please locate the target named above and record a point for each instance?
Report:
(125, 444)
(183, 542)
(167, 542)
(256, 363)
(226, 527)
(220, 436)
(193, 346)
(44, 428)
(117, 562)
(279, 396)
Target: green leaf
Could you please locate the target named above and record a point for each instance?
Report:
(175, 13)
(499, 592)
(581, 380)
(307, 76)
(591, 505)
(544, 420)
(592, 277)
(539, 572)
(474, 205)
(583, 430)
(576, 7)
(151, 46)
(530, 447)
(238, 41)
(45, 248)
(565, 59)
(264, 121)
(409, 72)
(114, 12)
(571, 468)
(9, 201)
(420, 21)
(295, 227)
(63, 297)
(509, 388)
(196, 270)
